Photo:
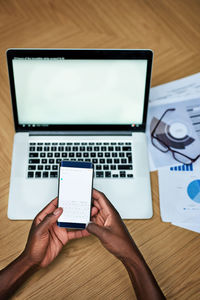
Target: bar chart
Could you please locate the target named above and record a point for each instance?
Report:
(182, 168)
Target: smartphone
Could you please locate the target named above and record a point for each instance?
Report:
(75, 193)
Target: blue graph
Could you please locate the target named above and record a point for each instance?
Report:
(182, 168)
(193, 190)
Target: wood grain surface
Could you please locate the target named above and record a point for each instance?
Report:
(84, 269)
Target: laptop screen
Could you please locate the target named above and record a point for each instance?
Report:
(72, 91)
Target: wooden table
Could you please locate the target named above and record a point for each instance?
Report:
(84, 269)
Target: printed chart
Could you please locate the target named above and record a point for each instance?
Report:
(193, 191)
(182, 168)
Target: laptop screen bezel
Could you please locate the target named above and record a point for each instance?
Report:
(80, 54)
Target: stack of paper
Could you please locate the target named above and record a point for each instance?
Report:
(179, 193)
(179, 185)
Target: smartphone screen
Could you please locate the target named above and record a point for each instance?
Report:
(75, 193)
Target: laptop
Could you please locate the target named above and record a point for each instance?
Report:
(80, 105)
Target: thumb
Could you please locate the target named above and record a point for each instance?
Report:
(95, 229)
(50, 219)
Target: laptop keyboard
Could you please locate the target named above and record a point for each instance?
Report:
(111, 159)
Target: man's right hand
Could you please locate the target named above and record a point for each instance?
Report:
(108, 226)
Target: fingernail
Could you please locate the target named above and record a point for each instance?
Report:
(57, 211)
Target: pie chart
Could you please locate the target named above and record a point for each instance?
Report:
(193, 191)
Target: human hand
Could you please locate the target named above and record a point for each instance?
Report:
(108, 226)
(46, 239)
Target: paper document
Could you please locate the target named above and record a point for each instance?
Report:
(179, 193)
(177, 90)
(180, 126)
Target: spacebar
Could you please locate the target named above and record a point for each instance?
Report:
(125, 167)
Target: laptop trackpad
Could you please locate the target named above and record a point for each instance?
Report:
(132, 198)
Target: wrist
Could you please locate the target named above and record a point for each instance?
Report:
(27, 261)
(13, 275)
(133, 258)
(143, 281)
(129, 252)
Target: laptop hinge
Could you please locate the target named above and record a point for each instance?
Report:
(80, 133)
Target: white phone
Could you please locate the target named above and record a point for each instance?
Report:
(75, 193)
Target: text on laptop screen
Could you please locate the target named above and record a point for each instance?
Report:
(73, 91)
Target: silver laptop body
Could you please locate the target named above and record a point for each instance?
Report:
(80, 104)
